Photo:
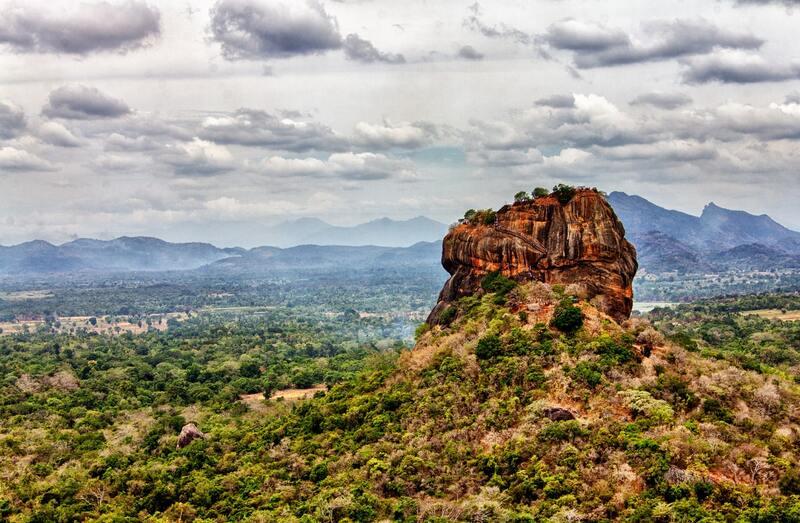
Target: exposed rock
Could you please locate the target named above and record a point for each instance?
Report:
(558, 414)
(581, 242)
(188, 434)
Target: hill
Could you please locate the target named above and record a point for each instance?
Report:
(121, 254)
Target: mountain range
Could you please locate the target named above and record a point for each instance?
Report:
(666, 240)
(717, 240)
(384, 232)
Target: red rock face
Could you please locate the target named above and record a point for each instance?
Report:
(581, 242)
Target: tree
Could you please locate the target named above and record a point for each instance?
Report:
(567, 317)
(540, 192)
(522, 196)
(470, 215)
(564, 193)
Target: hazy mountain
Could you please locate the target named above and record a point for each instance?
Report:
(121, 254)
(716, 229)
(717, 240)
(331, 257)
(383, 232)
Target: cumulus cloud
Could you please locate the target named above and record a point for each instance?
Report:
(12, 120)
(468, 52)
(198, 158)
(388, 135)
(595, 45)
(348, 166)
(360, 50)
(264, 29)
(13, 159)
(557, 101)
(56, 134)
(662, 100)
(89, 27)
(737, 68)
(78, 102)
(260, 128)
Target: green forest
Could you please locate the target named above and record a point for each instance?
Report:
(686, 415)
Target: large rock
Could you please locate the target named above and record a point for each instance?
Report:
(188, 434)
(580, 242)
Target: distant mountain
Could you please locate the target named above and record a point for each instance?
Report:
(331, 257)
(383, 232)
(719, 239)
(121, 254)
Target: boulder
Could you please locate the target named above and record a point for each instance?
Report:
(188, 434)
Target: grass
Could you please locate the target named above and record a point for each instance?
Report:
(775, 314)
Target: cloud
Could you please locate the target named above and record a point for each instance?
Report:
(265, 29)
(121, 142)
(12, 120)
(668, 151)
(387, 135)
(198, 158)
(79, 102)
(259, 128)
(505, 158)
(12, 159)
(557, 101)
(475, 23)
(662, 100)
(737, 68)
(594, 45)
(360, 50)
(56, 134)
(90, 27)
(468, 52)
(348, 166)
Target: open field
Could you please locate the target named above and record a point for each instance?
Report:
(775, 314)
(254, 401)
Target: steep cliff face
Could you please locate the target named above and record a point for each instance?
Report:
(581, 242)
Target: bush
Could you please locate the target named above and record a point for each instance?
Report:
(522, 196)
(642, 403)
(490, 346)
(448, 315)
(567, 317)
(564, 193)
(540, 192)
(497, 283)
(588, 373)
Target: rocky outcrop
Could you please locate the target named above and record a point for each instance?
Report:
(188, 434)
(579, 242)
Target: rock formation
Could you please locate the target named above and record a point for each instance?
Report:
(579, 242)
(188, 434)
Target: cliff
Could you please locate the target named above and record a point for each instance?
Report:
(580, 242)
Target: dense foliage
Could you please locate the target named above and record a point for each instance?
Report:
(496, 417)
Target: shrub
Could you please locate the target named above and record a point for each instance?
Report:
(448, 315)
(561, 431)
(497, 283)
(490, 346)
(588, 373)
(567, 317)
(470, 215)
(540, 192)
(421, 329)
(522, 196)
(564, 193)
(642, 403)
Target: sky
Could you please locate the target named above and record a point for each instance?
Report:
(204, 121)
